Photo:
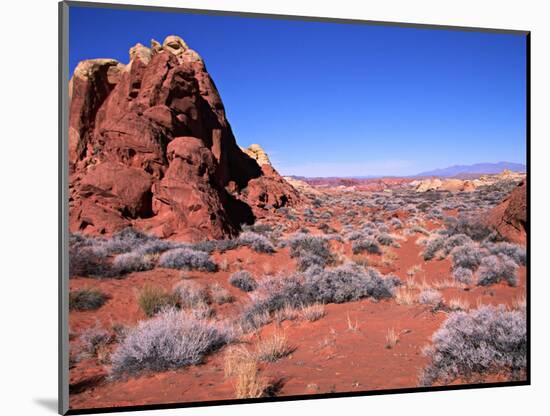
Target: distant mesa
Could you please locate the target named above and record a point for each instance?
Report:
(150, 147)
(474, 170)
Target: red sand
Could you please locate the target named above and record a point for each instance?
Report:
(329, 356)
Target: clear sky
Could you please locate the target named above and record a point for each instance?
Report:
(329, 99)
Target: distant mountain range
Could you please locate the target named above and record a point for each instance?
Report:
(478, 168)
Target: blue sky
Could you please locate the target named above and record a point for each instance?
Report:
(328, 99)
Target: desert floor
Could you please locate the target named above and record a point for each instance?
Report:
(360, 345)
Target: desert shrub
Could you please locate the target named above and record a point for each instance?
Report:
(432, 247)
(419, 230)
(191, 295)
(435, 213)
(243, 280)
(325, 228)
(396, 223)
(344, 283)
(201, 312)
(347, 283)
(187, 259)
(155, 246)
(495, 268)
(226, 245)
(85, 261)
(274, 293)
(456, 241)
(307, 260)
(92, 340)
(472, 345)
(369, 226)
(385, 239)
(368, 244)
(206, 246)
(153, 299)
(126, 240)
(474, 229)
(219, 294)
(354, 235)
(170, 340)
(131, 262)
(423, 206)
(463, 275)
(514, 251)
(257, 228)
(308, 212)
(310, 250)
(123, 241)
(86, 299)
(383, 228)
(256, 242)
(303, 243)
(467, 256)
(430, 297)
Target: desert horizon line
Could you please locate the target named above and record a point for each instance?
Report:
(505, 165)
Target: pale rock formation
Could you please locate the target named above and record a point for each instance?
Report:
(256, 152)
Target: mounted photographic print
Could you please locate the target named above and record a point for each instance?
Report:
(264, 208)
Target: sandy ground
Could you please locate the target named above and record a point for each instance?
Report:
(341, 352)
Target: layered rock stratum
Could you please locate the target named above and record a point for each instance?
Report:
(150, 147)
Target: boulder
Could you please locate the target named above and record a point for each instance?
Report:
(509, 218)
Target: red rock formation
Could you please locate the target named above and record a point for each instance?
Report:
(509, 218)
(150, 146)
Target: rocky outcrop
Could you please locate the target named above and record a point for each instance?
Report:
(270, 190)
(509, 218)
(150, 146)
(256, 152)
(465, 185)
(427, 185)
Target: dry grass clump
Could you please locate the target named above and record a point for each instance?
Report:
(458, 304)
(243, 365)
(273, 348)
(431, 297)
(287, 313)
(519, 302)
(389, 257)
(219, 294)
(352, 325)
(153, 299)
(392, 338)
(445, 284)
(313, 312)
(224, 265)
(414, 270)
(404, 296)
